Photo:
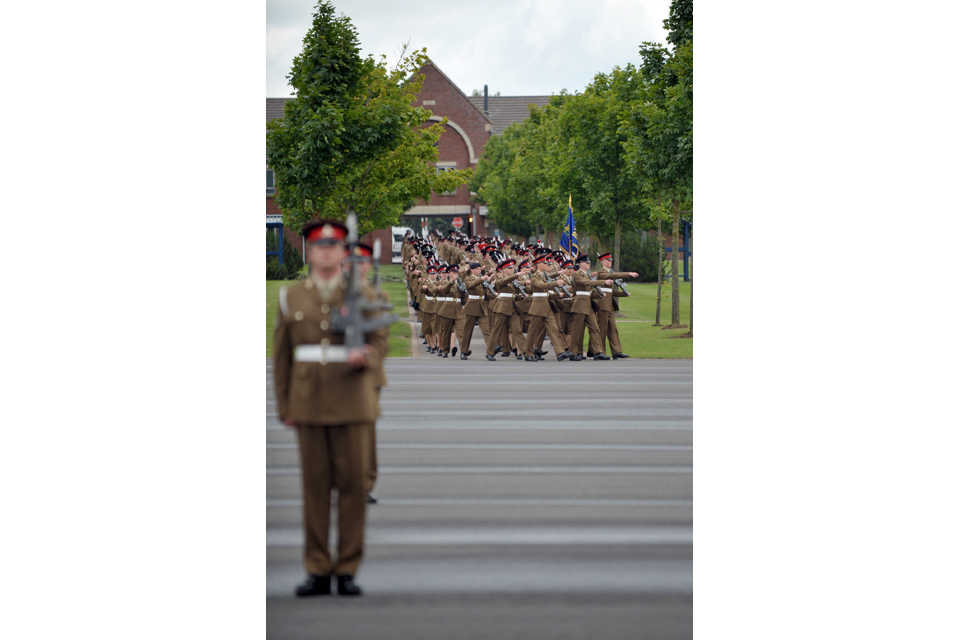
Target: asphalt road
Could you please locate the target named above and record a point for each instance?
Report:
(517, 500)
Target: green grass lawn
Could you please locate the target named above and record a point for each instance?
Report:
(637, 335)
(641, 339)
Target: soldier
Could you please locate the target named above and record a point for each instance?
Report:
(446, 310)
(581, 313)
(522, 303)
(328, 394)
(606, 318)
(505, 320)
(474, 309)
(370, 431)
(428, 284)
(541, 316)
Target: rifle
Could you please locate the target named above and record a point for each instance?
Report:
(351, 320)
(461, 285)
(519, 287)
(564, 287)
(489, 285)
(620, 283)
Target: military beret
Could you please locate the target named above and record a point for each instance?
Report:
(474, 265)
(325, 232)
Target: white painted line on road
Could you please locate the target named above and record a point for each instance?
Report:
(459, 470)
(504, 536)
(527, 425)
(503, 502)
(519, 446)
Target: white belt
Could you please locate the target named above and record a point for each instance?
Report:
(473, 297)
(319, 353)
(540, 295)
(605, 290)
(431, 299)
(504, 295)
(446, 299)
(583, 293)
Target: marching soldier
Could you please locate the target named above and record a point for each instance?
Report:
(328, 393)
(505, 319)
(474, 309)
(541, 316)
(581, 313)
(446, 311)
(606, 317)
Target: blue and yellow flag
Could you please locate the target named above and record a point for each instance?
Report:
(568, 241)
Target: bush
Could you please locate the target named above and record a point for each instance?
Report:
(639, 255)
(292, 260)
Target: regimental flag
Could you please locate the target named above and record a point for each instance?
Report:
(568, 240)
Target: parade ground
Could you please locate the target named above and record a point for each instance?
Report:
(516, 500)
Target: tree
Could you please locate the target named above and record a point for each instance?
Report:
(660, 129)
(350, 139)
(609, 196)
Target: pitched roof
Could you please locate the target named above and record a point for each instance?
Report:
(505, 110)
(275, 108)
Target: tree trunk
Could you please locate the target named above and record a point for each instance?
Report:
(616, 246)
(675, 266)
(659, 268)
(690, 264)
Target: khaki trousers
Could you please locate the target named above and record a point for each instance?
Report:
(541, 325)
(370, 453)
(332, 456)
(608, 330)
(468, 332)
(577, 322)
(445, 329)
(503, 327)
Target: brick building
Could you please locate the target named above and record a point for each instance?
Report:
(462, 143)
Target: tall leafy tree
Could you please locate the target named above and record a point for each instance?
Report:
(660, 128)
(351, 139)
(609, 196)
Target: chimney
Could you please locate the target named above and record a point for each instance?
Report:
(486, 109)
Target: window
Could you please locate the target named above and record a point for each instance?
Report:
(447, 166)
(270, 188)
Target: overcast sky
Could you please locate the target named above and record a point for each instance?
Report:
(517, 47)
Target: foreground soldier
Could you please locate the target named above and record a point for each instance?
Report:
(328, 394)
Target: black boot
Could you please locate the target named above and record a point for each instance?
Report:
(519, 356)
(468, 353)
(491, 358)
(444, 355)
(620, 355)
(347, 587)
(453, 351)
(600, 356)
(563, 356)
(576, 358)
(314, 586)
(463, 356)
(497, 350)
(528, 358)
(371, 499)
